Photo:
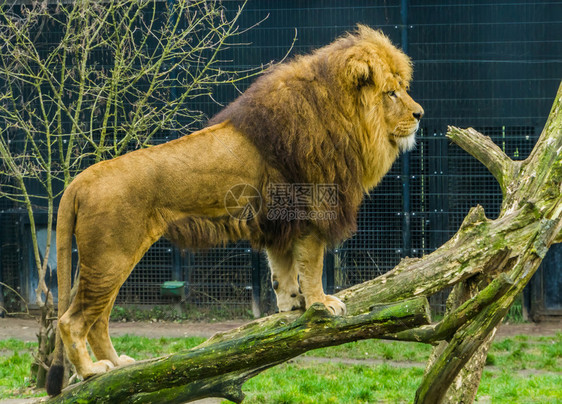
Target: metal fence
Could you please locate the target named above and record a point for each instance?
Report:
(491, 65)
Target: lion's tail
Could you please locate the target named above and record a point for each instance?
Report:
(65, 228)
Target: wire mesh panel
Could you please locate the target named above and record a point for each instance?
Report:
(144, 284)
(485, 65)
(221, 278)
(375, 249)
(491, 65)
(494, 66)
(10, 261)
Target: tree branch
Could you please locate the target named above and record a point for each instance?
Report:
(466, 341)
(219, 367)
(487, 152)
(539, 186)
(458, 317)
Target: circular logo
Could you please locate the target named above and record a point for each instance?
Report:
(242, 201)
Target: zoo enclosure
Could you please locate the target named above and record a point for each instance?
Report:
(492, 65)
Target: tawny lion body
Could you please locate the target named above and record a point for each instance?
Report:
(337, 117)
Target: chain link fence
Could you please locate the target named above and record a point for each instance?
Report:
(492, 65)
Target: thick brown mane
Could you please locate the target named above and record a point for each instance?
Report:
(302, 117)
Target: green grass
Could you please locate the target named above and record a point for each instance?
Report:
(337, 383)
(15, 362)
(526, 369)
(374, 349)
(504, 387)
(523, 352)
(144, 348)
(14, 371)
(333, 383)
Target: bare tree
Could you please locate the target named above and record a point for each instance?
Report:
(85, 81)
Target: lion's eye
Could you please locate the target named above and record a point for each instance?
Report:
(392, 94)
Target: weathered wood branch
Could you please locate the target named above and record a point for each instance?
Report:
(480, 245)
(219, 367)
(499, 255)
(465, 385)
(447, 327)
(487, 152)
(538, 185)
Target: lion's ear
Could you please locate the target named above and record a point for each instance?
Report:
(359, 72)
(362, 72)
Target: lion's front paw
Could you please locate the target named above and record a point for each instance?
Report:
(291, 302)
(125, 360)
(97, 368)
(335, 305)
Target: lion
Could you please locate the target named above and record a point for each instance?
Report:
(336, 118)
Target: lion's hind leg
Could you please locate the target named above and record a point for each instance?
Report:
(74, 327)
(87, 317)
(284, 277)
(100, 341)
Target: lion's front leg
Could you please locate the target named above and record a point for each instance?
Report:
(284, 278)
(308, 255)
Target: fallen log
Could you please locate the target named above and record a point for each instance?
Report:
(220, 366)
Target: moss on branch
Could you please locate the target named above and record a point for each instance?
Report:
(446, 328)
(220, 367)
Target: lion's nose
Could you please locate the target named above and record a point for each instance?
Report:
(418, 115)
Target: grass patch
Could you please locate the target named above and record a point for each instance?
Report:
(15, 363)
(505, 387)
(375, 349)
(524, 352)
(145, 348)
(511, 380)
(306, 383)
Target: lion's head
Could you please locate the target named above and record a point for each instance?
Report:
(339, 115)
(380, 74)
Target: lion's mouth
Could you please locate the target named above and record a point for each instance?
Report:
(402, 132)
(406, 141)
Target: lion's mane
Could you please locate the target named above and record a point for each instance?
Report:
(301, 117)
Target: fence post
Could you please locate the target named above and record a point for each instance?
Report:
(405, 161)
(256, 283)
(329, 271)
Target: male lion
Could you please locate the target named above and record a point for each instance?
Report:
(337, 117)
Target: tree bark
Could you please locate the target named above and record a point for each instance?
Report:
(532, 196)
(506, 251)
(465, 386)
(219, 367)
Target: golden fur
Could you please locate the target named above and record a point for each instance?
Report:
(337, 117)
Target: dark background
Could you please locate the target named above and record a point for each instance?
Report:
(495, 66)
